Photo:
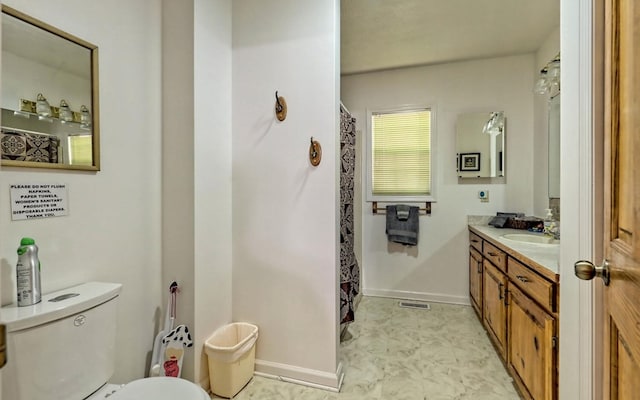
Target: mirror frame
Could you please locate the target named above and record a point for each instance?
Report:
(95, 109)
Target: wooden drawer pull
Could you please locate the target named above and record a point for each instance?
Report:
(492, 254)
(500, 291)
(475, 240)
(523, 278)
(479, 267)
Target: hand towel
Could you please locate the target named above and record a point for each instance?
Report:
(404, 231)
(402, 212)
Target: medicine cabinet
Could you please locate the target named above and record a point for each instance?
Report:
(480, 139)
(554, 147)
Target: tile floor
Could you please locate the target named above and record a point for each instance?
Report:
(407, 354)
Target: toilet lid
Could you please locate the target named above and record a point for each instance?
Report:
(160, 388)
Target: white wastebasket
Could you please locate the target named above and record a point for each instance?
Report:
(231, 352)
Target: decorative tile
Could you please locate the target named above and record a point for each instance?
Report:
(407, 354)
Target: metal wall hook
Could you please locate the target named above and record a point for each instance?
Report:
(313, 148)
(315, 152)
(281, 108)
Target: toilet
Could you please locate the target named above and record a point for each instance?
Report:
(63, 348)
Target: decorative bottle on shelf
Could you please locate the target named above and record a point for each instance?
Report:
(28, 273)
(549, 223)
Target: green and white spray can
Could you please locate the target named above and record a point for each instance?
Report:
(28, 273)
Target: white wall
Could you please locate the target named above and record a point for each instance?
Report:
(178, 183)
(112, 232)
(285, 213)
(437, 268)
(197, 230)
(212, 174)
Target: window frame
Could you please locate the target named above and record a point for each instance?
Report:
(370, 197)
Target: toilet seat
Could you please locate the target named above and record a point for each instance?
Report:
(160, 388)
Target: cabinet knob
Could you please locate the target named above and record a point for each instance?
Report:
(586, 271)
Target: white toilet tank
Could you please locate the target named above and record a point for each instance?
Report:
(62, 348)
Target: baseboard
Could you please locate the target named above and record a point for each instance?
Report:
(301, 376)
(421, 296)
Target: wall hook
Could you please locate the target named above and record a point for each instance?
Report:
(315, 152)
(281, 107)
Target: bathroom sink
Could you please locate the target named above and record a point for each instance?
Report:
(531, 239)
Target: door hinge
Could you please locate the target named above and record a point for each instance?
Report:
(554, 342)
(3, 345)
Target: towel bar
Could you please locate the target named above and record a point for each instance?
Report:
(423, 211)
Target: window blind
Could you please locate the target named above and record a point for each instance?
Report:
(80, 150)
(401, 153)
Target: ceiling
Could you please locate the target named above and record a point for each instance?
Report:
(42, 46)
(385, 34)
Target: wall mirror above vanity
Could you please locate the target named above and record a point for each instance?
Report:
(480, 139)
(50, 113)
(554, 147)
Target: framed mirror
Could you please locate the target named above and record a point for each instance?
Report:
(50, 113)
(554, 147)
(480, 139)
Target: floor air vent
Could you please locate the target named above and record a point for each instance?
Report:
(410, 304)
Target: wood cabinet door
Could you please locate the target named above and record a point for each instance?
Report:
(494, 305)
(531, 349)
(475, 280)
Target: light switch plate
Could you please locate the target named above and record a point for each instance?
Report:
(483, 195)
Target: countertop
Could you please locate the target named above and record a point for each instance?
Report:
(546, 256)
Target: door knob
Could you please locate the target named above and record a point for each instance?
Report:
(586, 271)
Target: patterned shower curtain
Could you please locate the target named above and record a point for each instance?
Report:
(349, 270)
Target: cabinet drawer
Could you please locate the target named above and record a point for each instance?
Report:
(495, 255)
(532, 284)
(475, 241)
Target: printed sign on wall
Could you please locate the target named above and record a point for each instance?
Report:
(29, 201)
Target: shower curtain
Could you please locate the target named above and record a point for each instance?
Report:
(349, 270)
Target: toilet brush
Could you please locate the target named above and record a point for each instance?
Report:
(170, 317)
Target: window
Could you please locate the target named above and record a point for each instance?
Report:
(400, 160)
(80, 150)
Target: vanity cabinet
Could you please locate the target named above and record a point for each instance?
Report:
(475, 273)
(495, 306)
(475, 280)
(517, 300)
(531, 348)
